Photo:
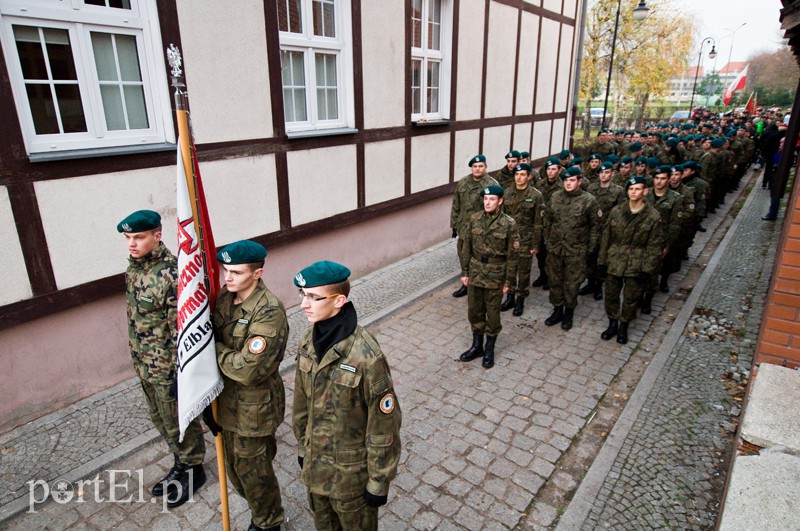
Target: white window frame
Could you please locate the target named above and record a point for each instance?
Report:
(309, 45)
(80, 19)
(443, 56)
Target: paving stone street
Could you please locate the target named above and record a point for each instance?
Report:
(478, 445)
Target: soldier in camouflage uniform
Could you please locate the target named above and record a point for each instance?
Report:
(490, 270)
(152, 293)
(688, 226)
(549, 184)
(692, 180)
(345, 414)
(592, 169)
(525, 204)
(608, 195)
(669, 205)
(505, 175)
(571, 222)
(629, 254)
(466, 202)
(251, 330)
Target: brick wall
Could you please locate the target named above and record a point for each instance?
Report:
(779, 339)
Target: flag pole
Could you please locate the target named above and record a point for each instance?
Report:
(186, 151)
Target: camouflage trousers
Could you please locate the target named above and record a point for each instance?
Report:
(483, 309)
(346, 515)
(248, 461)
(524, 265)
(630, 297)
(541, 260)
(565, 274)
(460, 251)
(163, 411)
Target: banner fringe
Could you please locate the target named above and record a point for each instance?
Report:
(199, 407)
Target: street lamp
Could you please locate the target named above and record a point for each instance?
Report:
(639, 13)
(712, 54)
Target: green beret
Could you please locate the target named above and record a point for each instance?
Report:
(636, 146)
(672, 142)
(321, 274)
(606, 166)
(687, 126)
(577, 161)
(523, 167)
(641, 160)
(625, 160)
(242, 252)
(635, 179)
(595, 156)
(613, 159)
(572, 171)
(718, 142)
(653, 162)
(677, 167)
(657, 135)
(494, 189)
(664, 168)
(552, 162)
(140, 221)
(513, 154)
(477, 158)
(691, 165)
(524, 154)
(620, 132)
(564, 154)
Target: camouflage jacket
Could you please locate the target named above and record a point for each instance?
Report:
(607, 198)
(572, 223)
(152, 292)
(700, 188)
(490, 251)
(346, 417)
(632, 243)
(548, 188)
(467, 200)
(503, 176)
(687, 204)
(250, 342)
(603, 148)
(527, 208)
(670, 208)
(710, 163)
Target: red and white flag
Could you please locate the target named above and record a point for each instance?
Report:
(199, 381)
(737, 84)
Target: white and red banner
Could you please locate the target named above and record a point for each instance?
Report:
(736, 84)
(199, 381)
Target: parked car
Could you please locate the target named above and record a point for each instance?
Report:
(679, 115)
(596, 115)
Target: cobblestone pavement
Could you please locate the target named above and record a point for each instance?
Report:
(671, 466)
(477, 445)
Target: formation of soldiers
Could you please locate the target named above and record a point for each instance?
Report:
(618, 219)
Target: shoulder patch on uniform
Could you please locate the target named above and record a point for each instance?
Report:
(516, 244)
(349, 368)
(243, 321)
(145, 299)
(387, 403)
(257, 345)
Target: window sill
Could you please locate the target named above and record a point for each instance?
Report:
(100, 152)
(321, 132)
(429, 123)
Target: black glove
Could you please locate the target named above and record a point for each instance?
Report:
(173, 389)
(643, 277)
(208, 418)
(374, 501)
(455, 233)
(300, 461)
(602, 272)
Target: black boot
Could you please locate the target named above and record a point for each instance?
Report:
(460, 292)
(587, 288)
(598, 291)
(546, 285)
(508, 303)
(172, 475)
(622, 334)
(566, 324)
(540, 281)
(519, 306)
(476, 350)
(193, 478)
(646, 305)
(663, 286)
(611, 331)
(555, 317)
(488, 352)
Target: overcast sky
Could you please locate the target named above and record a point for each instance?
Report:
(718, 19)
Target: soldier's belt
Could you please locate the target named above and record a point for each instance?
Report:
(486, 259)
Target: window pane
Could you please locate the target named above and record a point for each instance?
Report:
(69, 103)
(289, 19)
(323, 13)
(31, 55)
(300, 114)
(294, 93)
(327, 90)
(117, 4)
(112, 107)
(43, 109)
(416, 72)
(104, 56)
(136, 107)
(416, 23)
(434, 24)
(128, 58)
(59, 51)
(433, 35)
(432, 99)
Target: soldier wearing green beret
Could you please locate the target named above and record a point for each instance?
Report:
(345, 412)
(152, 295)
(603, 145)
(505, 175)
(591, 169)
(629, 253)
(466, 202)
(571, 222)
(524, 157)
(525, 204)
(625, 171)
(488, 270)
(251, 330)
(549, 184)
